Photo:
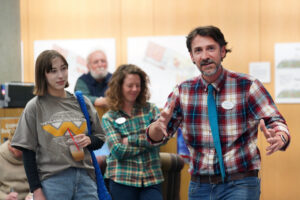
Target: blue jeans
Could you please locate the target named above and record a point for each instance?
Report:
(70, 184)
(121, 192)
(245, 189)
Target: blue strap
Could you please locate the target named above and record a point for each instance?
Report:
(102, 191)
(213, 121)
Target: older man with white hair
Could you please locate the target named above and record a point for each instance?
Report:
(94, 84)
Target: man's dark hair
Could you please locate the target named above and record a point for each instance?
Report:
(209, 31)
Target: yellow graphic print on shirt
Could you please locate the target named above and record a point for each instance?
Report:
(64, 126)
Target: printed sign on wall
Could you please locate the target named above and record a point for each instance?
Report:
(166, 61)
(287, 73)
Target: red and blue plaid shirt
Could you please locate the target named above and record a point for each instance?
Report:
(241, 102)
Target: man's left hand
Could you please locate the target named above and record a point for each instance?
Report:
(273, 138)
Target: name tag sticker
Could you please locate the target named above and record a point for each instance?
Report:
(227, 105)
(120, 120)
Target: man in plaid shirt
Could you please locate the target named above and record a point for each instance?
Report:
(242, 105)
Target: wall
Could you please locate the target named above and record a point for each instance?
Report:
(251, 27)
(10, 43)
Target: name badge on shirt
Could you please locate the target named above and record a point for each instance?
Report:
(120, 120)
(227, 105)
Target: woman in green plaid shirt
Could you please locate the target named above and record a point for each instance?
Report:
(133, 165)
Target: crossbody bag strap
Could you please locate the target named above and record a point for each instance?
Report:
(101, 189)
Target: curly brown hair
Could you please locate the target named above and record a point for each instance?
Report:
(114, 91)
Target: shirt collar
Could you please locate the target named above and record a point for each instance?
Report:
(134, 111)
(95, 82)
(107, 78)
(219, 83)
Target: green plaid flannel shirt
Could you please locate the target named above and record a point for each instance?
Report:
(138, 163)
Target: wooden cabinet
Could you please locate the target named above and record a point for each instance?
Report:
(9, 118)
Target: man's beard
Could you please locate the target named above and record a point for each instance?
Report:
(207, 62)
(99, 74)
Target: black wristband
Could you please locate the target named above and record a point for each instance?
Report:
(283, 139)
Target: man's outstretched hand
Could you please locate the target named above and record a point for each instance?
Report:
(158, 129)
(273, 138)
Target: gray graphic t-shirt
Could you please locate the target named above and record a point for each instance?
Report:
(45, 126)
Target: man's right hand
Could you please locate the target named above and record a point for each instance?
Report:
(158, 129)
(12, 196)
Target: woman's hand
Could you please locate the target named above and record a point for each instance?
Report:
(29, 196)
(12, 196)
(82, 140)
(38, 194)
(125, 140)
